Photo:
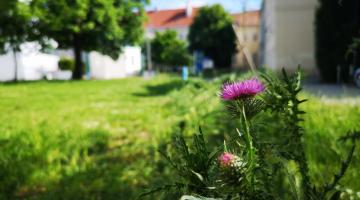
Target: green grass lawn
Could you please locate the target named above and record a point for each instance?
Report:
(98, 139)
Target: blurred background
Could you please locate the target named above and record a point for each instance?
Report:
(91, 88)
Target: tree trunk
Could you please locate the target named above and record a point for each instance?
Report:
(78, 70)
(16, 66)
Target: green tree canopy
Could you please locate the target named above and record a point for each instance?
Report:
(15, 23)
(212, 34)
(169, 50)
(85, 25)
(15, 19)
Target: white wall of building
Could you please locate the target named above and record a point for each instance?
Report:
(268, 23)
(289, 34)
(7, 67)
(31, 64)
(34, 65)
(104, 67)
(182, 32)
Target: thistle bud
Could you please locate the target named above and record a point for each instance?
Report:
(232, 167)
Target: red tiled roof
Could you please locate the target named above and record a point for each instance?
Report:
(178, 18)
(250, 18)
(170, 18)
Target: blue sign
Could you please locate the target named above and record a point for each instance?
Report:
(185, 73)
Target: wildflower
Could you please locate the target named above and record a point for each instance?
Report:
(244, 89)
(232, 168)
(225, 159)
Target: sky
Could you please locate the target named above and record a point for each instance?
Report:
(232, 6)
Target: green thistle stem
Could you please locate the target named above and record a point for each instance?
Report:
(249, 146)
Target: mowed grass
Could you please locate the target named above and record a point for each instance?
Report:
(98, 139)
(81, 138)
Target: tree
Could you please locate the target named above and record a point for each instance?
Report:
(15, 21)
(337, 22)
(86, 25)
(212, 33)
(169, 50)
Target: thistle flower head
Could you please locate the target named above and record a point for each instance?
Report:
(244, 89)
(225, 159)
(232, 168)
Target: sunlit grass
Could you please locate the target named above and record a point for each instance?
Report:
(97, 139)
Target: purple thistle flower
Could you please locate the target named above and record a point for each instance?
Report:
(225, 159)
(247, 88)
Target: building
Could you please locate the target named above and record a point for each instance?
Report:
(99, 66)
(246, 26)
(32, 64)
(247, 29)
(28, 64)
(104, 67)
(287, 34)
(175, 19)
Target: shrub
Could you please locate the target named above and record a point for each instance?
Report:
(66, 64)
(169, 50)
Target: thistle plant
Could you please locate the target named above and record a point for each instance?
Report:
(241, 102)
(282, 97)
(248, 166)
(240, 97)
(193, 164)
(231, 176)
